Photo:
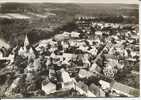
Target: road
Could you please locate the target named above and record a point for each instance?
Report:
(108, 45)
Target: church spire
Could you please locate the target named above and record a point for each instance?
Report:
(26, 41)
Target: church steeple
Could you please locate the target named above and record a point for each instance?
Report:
(26, 41)
(27, 50)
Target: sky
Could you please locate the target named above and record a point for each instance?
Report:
(76, 1)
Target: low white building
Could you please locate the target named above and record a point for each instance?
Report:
(75, 34)
(68, 82)
(84, 74)
(65, 76)
(98, 33)
(104, 84)
(48, 87)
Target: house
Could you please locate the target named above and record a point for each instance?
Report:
(113, 63)
(84, 74)
(83, 86)
(85, 60)
(61, 37)
(29, 68)
(67, 82)
(99, 33)
(94, 89)
(83, 48)
(124, 89)
(74, 34)
(90, 42)
(53, 55)
(102, 93)
(13, 86)
(68, 56)
(42, 44)
(95, 68)
(83, 89)
(73, 43)
(65, 44)
(93, 51)
(133, 54)
(48, 87)
(51, 73)
(104, 84)
(37, 65)
(65, 76)
(68, 85)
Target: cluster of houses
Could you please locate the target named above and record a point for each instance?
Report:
(71, 62)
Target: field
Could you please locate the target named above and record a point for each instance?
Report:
(46, 19)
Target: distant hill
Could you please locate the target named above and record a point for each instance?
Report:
(109, 9)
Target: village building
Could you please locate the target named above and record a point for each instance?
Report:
(48, 87)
